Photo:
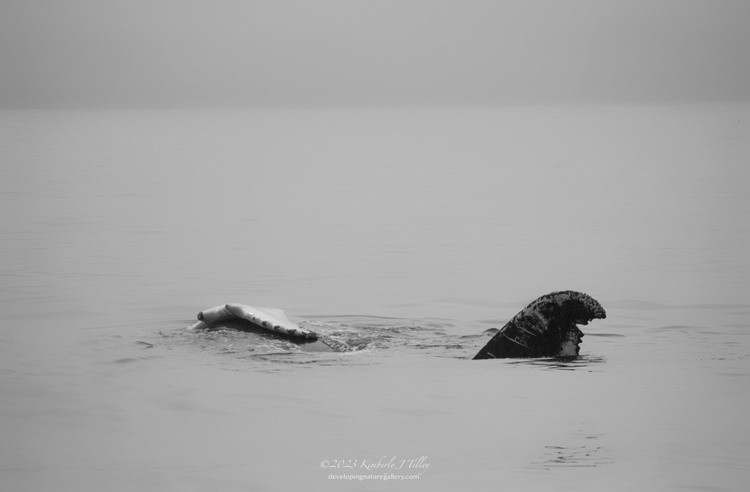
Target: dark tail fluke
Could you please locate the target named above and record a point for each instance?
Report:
(545, 328)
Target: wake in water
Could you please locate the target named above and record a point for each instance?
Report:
(357, 337)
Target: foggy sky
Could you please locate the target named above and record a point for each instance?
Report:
(137, 53)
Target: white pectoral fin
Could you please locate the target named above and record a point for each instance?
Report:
(271, 319)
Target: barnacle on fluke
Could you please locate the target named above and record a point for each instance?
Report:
(545, 328)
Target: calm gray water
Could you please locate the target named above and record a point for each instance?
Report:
(406, 231)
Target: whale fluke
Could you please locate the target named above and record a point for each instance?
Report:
(545, 328)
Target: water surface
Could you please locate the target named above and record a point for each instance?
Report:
(409, 231)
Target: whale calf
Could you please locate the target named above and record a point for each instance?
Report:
(547, 327)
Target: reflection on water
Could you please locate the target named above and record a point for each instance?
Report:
(584, 361)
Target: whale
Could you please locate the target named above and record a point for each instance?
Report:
(547, 327)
